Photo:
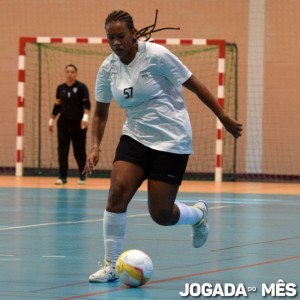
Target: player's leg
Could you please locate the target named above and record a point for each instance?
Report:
(163, 208)
(165, 176)
(165, 211)
(64, 140)
(126, 178)
(79, 148)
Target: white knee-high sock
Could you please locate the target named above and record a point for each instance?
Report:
(189, 215)
(114, 227)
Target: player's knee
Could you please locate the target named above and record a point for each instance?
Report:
(164, 218)
(116, 198)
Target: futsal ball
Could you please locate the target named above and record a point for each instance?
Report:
(134, 268)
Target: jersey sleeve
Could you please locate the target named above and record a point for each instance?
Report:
(86, 97)
(86, 94)
(172, 68)
(57, 94)
(103, 91)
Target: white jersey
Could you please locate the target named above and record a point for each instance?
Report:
(150, 90)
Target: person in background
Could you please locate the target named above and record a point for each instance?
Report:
(146, 80)
(73, 106)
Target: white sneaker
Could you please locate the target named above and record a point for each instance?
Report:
(81, 179)
(107, 273)
(200, 229)
(60, 181)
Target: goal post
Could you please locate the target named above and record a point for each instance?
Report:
(40, 68)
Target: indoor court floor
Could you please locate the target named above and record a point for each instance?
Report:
(51, 241)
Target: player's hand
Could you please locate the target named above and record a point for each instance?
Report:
(232, 126)
(85, 121)
(92, 161)
(50, 124)
(84, 125)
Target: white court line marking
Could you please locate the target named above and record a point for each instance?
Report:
(62, 223)
(53, 256)
(86, 221)
(243, 200)
(8, 257)
(218, 207)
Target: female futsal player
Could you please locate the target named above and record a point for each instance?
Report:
(146, 80)
(73, 106)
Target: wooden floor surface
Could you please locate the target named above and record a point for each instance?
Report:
(187, 186)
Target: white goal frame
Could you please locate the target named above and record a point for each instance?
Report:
(221, 44)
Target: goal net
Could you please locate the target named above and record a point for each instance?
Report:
(41, 70)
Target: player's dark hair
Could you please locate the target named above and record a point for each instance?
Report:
(120, 15)
(71, 65)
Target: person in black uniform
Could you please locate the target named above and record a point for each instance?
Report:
(73, 106)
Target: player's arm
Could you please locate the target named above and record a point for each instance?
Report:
(55, 111)
(98, 127)
(202, 92)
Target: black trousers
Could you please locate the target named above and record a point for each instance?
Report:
(67, 133)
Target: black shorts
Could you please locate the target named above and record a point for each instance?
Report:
(158, 165)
